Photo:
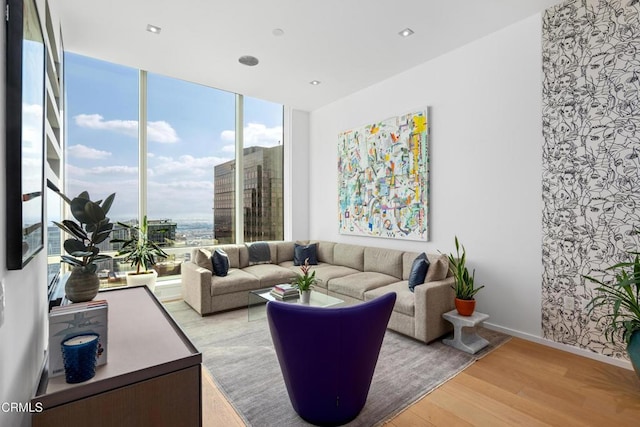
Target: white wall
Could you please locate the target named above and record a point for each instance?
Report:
(23, 334)
(297, 194)
(485, 181)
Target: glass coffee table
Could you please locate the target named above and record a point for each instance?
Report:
(257, 300)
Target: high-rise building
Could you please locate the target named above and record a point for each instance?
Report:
(262, 196)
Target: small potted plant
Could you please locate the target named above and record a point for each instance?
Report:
(619, 300)
(92, 228)
(305, 281)
(141, 252)
(464, 287)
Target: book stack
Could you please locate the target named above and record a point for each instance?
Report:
(66, 321)
(284, 291)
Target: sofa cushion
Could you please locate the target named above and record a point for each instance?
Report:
(233, 253)
(438, 268)
(220, 262)
(327, 272)
(202, 258)
(405, 299)
(236, 280)
(304, 252)
(325, 251)
(386, 261)
(351, 256)
(285, 252)
(418, 271)
(323, 271)
(355, 285)
(270, 274)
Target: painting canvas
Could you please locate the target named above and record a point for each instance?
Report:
(383, 178)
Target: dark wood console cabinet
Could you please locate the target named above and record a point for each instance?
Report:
(152, 376)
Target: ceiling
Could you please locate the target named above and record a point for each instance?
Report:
(347, 45)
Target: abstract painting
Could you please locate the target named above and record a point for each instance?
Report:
(383, 178)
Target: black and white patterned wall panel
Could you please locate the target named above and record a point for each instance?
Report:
(591, 159)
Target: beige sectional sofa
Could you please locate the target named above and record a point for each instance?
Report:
(351, 273)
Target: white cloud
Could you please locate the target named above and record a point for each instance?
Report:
(229, 149)
(118, 170)
(256, 134)
(112, 172)
(159, 131)
(186, 166)
(83, 152)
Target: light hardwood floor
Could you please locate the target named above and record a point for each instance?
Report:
(520, 383)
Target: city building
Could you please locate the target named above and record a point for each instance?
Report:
(262, 198)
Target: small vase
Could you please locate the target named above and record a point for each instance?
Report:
(633, 349)
(305, 297)
(81, 285)
(465, 307)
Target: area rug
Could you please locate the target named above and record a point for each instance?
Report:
(240, 357)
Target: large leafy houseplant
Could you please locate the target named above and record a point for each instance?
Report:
(620, 298)
(92, 227)
(139, 250)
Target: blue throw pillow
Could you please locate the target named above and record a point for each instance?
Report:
(419, 270)
(302, 252)
(220, 262)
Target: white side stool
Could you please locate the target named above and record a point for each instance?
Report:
(466, 339)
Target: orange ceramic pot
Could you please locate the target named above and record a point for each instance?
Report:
(465, 307)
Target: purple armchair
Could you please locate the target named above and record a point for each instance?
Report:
(328, 355)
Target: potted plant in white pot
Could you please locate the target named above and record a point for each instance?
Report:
(141, 252)
(304, 282)
(464, 287)
(92, 228)
(619, 300)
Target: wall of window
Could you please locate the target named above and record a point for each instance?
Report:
(189, 191)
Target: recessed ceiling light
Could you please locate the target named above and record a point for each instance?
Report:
(406, 32)
(314, 82)
(248, 60)
(277, 32)
(153, 29)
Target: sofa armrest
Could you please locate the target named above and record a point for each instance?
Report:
(432, 300)
(196, 287)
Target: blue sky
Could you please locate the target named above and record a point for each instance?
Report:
(190, 130)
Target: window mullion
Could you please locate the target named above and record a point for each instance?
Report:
(239, 172)
(142, 145)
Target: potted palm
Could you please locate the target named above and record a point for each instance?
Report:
(619, 300)
(464, 287)
(92, 228)
(305, 281)
(141, 252)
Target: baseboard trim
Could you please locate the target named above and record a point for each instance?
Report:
(564, 347)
